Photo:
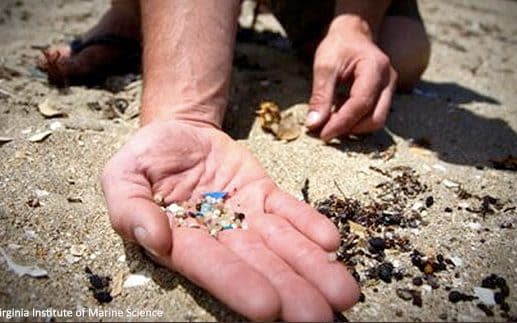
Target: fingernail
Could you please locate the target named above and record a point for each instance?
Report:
(312, 118)
(141, 235)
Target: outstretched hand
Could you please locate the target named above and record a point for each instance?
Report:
(348, 56)
(279, 267)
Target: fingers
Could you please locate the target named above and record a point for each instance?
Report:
(308, 260)
(376, 120)
(301, 302)
(369, 81)
(323, 85)
(212, 266)
(133, 213)
(304, 218)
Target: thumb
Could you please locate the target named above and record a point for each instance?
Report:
(133, 213)
(323, 85)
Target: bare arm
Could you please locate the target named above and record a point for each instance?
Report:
(349, 56)
(188, 51)
(365, 14)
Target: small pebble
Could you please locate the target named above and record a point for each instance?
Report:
(377, 245)
(429, 201)
(158, 199)
(102, 296)
(385, 272)
(417, 281)
(486, 309)
(455, 297)
(404, 293)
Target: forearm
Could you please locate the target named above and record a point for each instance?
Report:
(365, 15)
(187, 59)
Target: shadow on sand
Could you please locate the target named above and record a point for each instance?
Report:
(457, 135)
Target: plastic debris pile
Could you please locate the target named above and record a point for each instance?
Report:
(209, 213)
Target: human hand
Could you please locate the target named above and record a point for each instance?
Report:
(279, 267)
(348, 56)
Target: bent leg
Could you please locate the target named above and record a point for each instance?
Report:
(405, 41)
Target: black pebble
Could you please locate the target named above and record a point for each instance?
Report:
(240, 216)
(455, 297)
(385, 271)
(98, 282)
(484, 308)
(500, 282)
(448, 210)
(505, 290)
(417, 281)
(489, 281)
(102, 296)
(505, 307)
(429, 201)
(498, 298)
(417, 299)
(377, 244)
(362, 298)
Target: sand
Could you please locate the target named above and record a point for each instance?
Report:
(465, 106)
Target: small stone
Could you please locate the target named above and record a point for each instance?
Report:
(489, 281)
(158, 199)
(417, 299)
(455, 297)
(74, 199)
(428, 269)
(485, 309)
(505, 307)
(33, 202)
(429, 201)
(506, 225)
(102, 296)
(77, 250)
(417, 281)
(450, 184)
(385, 272)
(457, 261)
(377, 244)
(404, 293)
(500, 282)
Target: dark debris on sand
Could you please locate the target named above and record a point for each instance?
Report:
(100, 286)
(370, 229)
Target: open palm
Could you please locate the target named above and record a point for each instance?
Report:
(277, 268)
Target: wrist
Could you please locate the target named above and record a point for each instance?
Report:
(198, 114)
(351, 24)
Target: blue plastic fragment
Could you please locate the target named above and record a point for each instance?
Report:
(205, 208)
(216, 195)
